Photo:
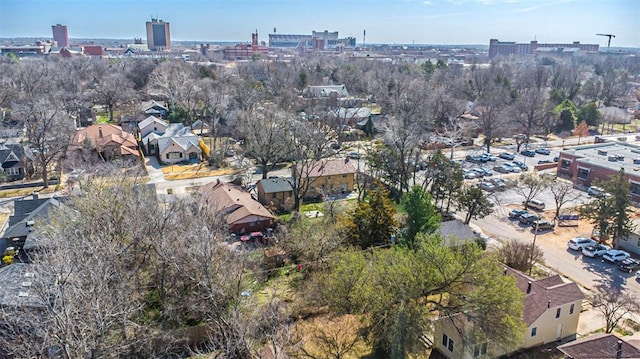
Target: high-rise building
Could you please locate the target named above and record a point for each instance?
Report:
(158, 35)
(60, 35)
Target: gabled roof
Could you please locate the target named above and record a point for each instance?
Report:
(15, 286)
(276, 185)
(149, 120)
(332, 168)
(232, 201)
(198, 124)
(184, 142)
(353, 113)
(326, 91)
(600, 346)
(544, 294)
(107, 135)
(145, 106)
(10, 154)
(23, 228)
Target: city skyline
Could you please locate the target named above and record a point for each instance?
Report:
(391, 21)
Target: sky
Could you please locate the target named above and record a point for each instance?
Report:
(440, 22)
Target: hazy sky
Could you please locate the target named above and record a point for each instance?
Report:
(385, 21)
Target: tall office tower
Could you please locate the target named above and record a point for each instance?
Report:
(158, 35)
(60, 35)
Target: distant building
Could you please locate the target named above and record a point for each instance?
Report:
(158, 35)
(506, 48)
(318, 40)
(246, 51)
(60, 35)
(289, 40)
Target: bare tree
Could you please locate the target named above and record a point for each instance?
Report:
(112, 90)
(264, 130)
(613, 305)
(531, 185)
(335, 339)
(563, 193)
(48, 129)
(519, 255)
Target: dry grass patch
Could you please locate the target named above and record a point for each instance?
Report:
(20, 192)
(178, 172)
(327, 336)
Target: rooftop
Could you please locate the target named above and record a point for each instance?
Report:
(16, 286)
(612, 155)
(600, 346)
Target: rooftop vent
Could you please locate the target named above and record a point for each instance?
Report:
(23, 294)
(29, 275)
(620, 157)
(26, 284)
(30, 223)
(613, 158)
(602, 153)
(636, 161)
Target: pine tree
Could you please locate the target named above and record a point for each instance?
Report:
(422, 216)
(372, 222)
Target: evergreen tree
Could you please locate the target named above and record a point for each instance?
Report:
(566, 116)
(473, 201)
(422, 216)
(372, 222)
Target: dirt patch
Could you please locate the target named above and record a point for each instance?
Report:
(199, 170)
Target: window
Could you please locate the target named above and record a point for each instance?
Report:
(565, 164)
(274, 195)
(634, 188)
(479, 350)
(571, 308)
(447, 342)
(558, 313)
(174, 155)
(534, 331)
(344, 175)
(13, 171)
(583, 173)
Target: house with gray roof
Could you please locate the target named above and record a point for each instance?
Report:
(326, 91)
(154, 108)
(455, 233)
(275, 192)
(171, 143)
(13, 161)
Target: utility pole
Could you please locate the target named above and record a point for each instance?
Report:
(608, 42)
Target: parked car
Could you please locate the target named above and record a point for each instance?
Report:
(541, 162)
(535, 204)
(507, 156)
(502, 169)
(512, 167)
(354, 155)
(476, 159)
(522, 165)
(578, 243)
(555, 159)
(486, 171)
(487, 186)
(528, 218)
(543, 151)
(499, 183)
(595, 191)
(528, 153)
(517, 213)
(629, 265)
(469, 174)
(542, 225)
(595, 250)
(489, 157)
(616, 255)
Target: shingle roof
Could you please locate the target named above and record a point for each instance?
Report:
(332, 168)
(599, 346)
(544, 294)
(15, 286)
(185, 142)
(11, 154)
(276, 185)
(232, 201)
(22, 228)
(107, 134)
(149, 120)
(326, 91)
(456, 230)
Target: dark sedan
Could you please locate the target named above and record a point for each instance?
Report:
(528, 153)
(629, 265)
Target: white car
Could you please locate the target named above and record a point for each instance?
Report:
(579, 243)
(638, 275)
(595, 250)
(616, 255)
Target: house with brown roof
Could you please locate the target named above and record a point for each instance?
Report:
(601, 346)
(551, 312)
(327, 177)
(242, 213)
(108, 141)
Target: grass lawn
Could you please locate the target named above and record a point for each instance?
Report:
(182, 171)
(26, 191)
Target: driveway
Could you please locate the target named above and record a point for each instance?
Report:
(154, 170)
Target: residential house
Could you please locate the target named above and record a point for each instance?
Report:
(14, 160)
(242, 213)
(153, 108)
(200, 127)
(108, 141)
(327, 177)
(326, 91)
(601, 346)
(275, 192)
(171, 143)
(551, 312)
(20, 232)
